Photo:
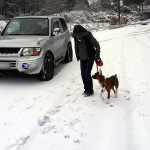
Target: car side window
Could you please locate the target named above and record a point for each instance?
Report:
(55, 24)
(63, 23)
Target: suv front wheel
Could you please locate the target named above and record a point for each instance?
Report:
(47, 71)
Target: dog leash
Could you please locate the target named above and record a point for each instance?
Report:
(97, 67)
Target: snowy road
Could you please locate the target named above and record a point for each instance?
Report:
(54, 115)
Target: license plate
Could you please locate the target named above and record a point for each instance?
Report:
(5, 65)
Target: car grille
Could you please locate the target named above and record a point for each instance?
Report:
(11, 62)
(9, 50)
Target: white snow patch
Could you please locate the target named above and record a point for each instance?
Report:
(54, 115)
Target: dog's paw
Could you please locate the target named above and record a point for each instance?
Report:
(107, 102)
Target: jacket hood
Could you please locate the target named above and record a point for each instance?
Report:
(79, 32)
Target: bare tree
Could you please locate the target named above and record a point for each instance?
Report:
(69, 4)
(11, 8)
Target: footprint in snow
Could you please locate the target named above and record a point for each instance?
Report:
(79, 109)
(72, 123)
(36, 98)
(19, 99)
(77, 141)
(53, 112)
(43, 120)
(30, 106)
(68, 95)
(48, 129)
(73, 101)
(83, 134)
(23, 140)
(67, 136)
(51, 92)
(126, 91)
(11, 107)
(127, 97)
(19, 142)
(57, 107)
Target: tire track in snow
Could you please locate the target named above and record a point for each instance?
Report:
(124, 36)
(48, 124)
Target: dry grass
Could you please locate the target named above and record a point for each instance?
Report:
(114, 21)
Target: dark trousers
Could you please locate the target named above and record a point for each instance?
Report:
(86, 67)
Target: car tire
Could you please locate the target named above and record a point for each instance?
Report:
(47, 71)
(69, 54)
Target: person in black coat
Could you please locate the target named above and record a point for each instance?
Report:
(87, 49)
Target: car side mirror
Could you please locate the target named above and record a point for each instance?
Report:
(56, 31)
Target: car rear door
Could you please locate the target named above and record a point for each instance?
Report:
(65, 35)
(57, 40)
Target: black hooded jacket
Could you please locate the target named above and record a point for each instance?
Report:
(91, 44)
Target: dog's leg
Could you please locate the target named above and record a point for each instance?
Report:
(108, 97)
(116, 93)
(108, 94)
(102, 91)
(107, 101)
(116, 86)
(113, 90)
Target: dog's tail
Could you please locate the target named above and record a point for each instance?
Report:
(116, 82)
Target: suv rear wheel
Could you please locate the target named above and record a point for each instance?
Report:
(47, 71)
(69, 54)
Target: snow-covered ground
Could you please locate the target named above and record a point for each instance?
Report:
(54, 115)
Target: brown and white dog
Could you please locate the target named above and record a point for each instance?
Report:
(107, 84)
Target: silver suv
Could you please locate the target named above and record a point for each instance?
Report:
(35, 45)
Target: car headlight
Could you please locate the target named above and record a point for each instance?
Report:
(30, 51)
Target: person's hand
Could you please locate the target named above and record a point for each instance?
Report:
(97, 59)
(100, 63)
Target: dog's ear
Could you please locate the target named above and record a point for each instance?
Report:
(100, 72)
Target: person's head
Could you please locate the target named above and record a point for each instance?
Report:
(79, 32)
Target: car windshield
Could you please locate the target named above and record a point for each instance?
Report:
(27, 26)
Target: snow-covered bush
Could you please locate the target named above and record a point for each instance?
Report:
(114, 20)
(126, 10)
(2, 25)
(79, 17)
